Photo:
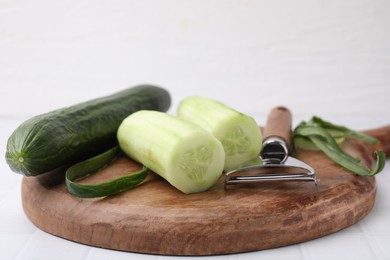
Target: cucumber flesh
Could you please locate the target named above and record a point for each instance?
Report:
(239, 133)
(188, 157)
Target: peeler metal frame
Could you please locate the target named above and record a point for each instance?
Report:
(276, 162)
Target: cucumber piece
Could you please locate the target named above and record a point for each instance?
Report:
(70, 135)
(239, 133)
(188, 157)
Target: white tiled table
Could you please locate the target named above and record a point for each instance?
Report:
(20, 239)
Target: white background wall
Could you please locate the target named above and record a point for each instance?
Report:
(329, 58)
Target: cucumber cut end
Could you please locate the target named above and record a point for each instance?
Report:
(239, 133)
(196, 166)
(242, 141)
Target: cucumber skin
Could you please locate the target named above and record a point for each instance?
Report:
(68, 135)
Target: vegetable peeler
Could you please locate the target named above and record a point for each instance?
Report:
(276, 164)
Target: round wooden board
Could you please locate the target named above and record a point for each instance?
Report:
(158, 219)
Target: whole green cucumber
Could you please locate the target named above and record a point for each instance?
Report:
(72, 134)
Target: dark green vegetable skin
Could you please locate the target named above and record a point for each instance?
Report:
(73, 134)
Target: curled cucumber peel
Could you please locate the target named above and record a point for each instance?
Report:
(104, 189)
(318, 132)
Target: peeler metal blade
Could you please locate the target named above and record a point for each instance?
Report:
(271, 173)
(276, 164)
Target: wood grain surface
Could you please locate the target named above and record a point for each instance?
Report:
(158, 219)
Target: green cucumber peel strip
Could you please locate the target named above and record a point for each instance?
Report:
(326, 143)
(103, 189)
(344, 131)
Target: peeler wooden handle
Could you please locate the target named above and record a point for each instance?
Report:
(277, 135)
(279, 123)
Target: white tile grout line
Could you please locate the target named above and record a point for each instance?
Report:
(23, 248)
(369, 237)
(371, 242)
(90, 251)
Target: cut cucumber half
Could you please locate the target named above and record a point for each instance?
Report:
(188, 157)
(239, 133)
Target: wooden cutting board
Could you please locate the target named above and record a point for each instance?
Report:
(158, 219)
